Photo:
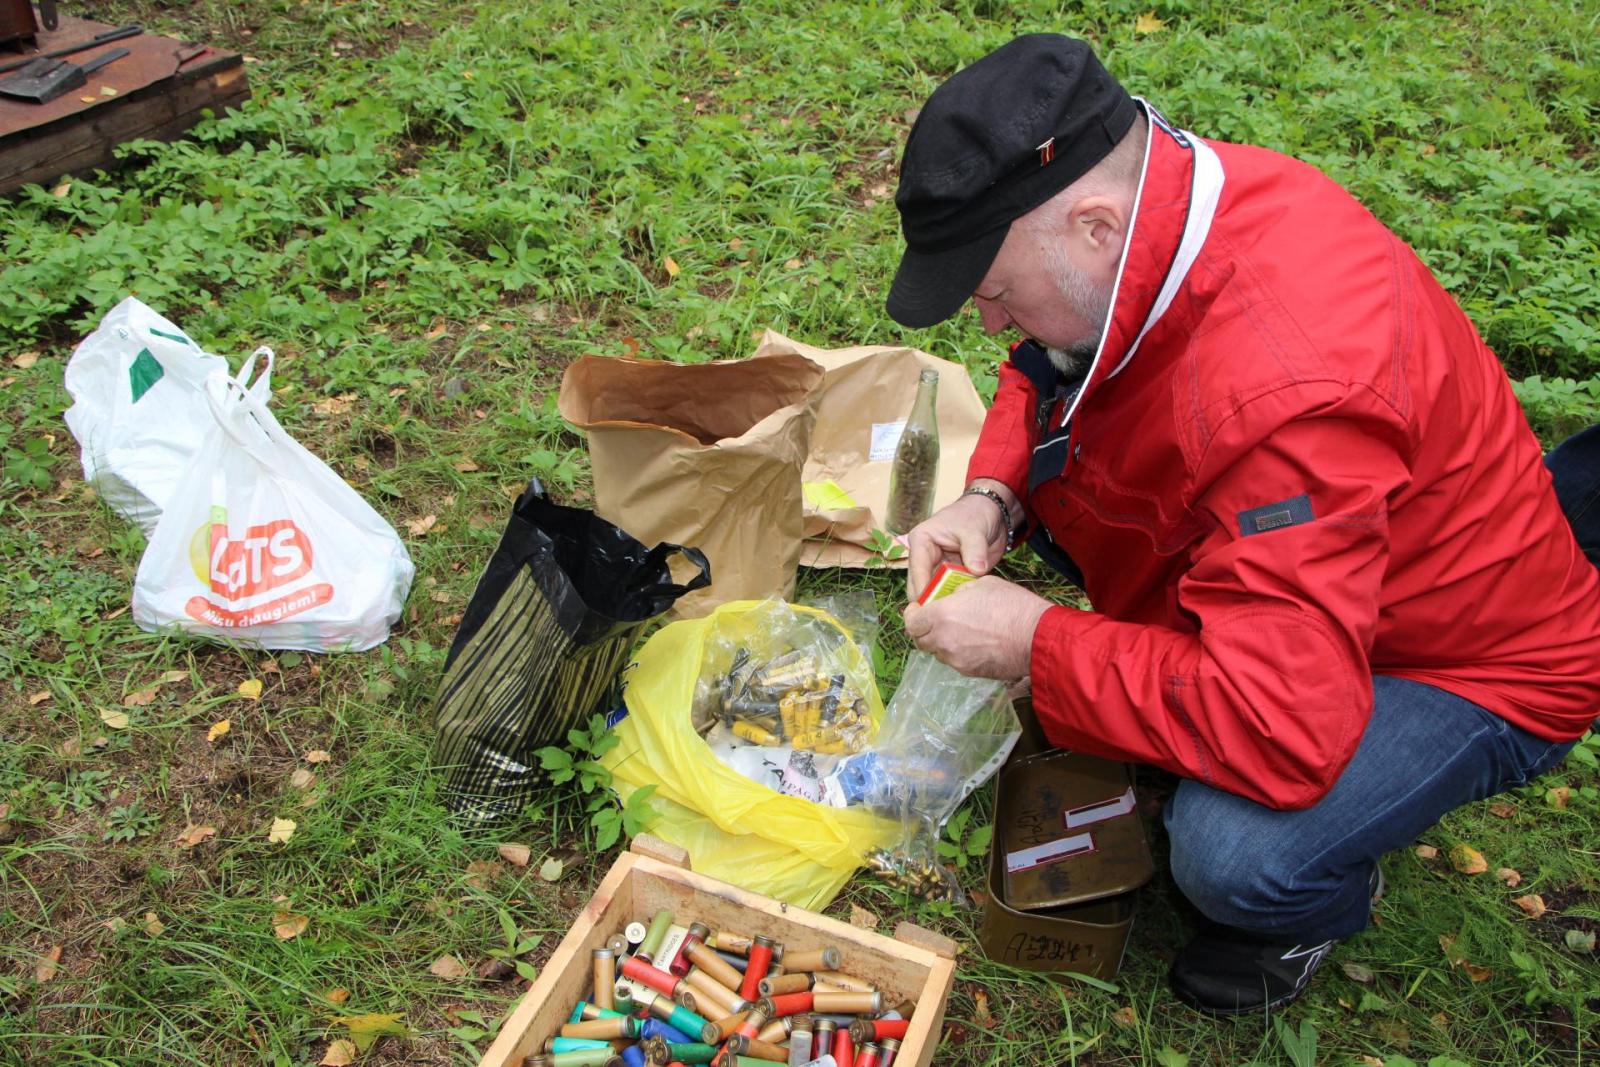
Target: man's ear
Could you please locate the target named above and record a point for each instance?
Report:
(1097, 227)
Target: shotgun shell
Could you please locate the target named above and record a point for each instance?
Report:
(605, 977)
(655, 1051)
(696, 935)
(740, 1045)
(891, 1049)
(690, 1052)
(665, 1031)
(800, 1041)
(635, 933)
(754, 1020)
(760, 962)
(821, 959)
(573, 1044)
(776, 1031)
(618, 944)
(605, 1029)
(728, 941)
(738, 963)
(654, 936)
(904, 1009)
(720, 1000)
(867, 1057)
(844, 981)
(637, 969)
(785, 1004)
(683, 1019)
(864, 1030)
(726, 1027)
(754, 734)
(685, 996)
(844, 1050)
(715, 967)
(787, 982)
(586, 1010)
(633, 1056)
(593, 1057)
(822, 1031)
(847, 1003)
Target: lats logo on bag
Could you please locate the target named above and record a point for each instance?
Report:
(262, 559)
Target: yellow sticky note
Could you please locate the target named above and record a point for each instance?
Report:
(827, 496)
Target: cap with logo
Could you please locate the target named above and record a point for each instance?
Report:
(993, 142)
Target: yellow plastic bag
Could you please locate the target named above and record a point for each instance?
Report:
(735, 829)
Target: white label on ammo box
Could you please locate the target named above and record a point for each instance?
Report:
(885, 436)
(1093, 813)
(1028, 858)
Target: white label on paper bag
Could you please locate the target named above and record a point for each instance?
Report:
(1093, 813)
(885, 436)
(1028, 858)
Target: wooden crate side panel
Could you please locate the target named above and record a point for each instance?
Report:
(565, 979)
(927, 1024)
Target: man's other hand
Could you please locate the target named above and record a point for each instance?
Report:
(969, 532)
(984, 629)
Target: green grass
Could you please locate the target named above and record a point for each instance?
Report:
(428, 211)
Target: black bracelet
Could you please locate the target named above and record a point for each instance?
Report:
(1005, 512)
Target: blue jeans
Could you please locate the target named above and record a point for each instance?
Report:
(1304, 876)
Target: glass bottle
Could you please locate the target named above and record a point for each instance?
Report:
(915, 473)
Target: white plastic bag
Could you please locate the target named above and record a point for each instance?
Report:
(139, 408)
(262, 545)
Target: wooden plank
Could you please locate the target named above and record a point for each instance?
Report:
(160, 112)
(657, 849)
(567, 975)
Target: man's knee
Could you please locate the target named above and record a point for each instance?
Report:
(1233, 858)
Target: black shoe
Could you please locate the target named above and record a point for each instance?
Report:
(1224, 971)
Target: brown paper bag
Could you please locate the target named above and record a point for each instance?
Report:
(868, 390)
(705, 454)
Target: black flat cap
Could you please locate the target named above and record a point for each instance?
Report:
(992, 143)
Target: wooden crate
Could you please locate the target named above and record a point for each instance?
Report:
(915, 963)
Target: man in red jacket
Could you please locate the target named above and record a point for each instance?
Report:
(1333, 588)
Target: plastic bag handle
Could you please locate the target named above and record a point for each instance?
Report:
(251, 404)
(657, 557)
(261, 388)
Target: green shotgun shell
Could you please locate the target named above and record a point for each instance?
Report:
(685, 1021)
(691, 1053)
(654, 936)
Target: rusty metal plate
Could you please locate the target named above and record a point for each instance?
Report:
(151, 59)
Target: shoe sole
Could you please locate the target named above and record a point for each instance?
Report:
(1208, 1009)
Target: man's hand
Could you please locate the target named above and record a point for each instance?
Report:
(984, 629)
(970, 532)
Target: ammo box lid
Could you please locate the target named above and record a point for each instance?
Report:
(1068, 830)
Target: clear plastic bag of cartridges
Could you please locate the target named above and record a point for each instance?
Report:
(943, 735)
(782, 698)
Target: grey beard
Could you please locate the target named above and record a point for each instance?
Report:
(1071, 361)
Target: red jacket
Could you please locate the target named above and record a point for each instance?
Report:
(1308, 470)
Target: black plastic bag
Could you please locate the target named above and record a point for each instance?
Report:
(547, 632)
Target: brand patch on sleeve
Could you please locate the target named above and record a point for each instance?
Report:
(1292, 512)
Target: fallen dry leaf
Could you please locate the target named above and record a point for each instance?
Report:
(1372, 1061)
(116, 924)
(317, 755)
(288, 926)
(365, 1029)
(152, 925)
(516, 855)
(1476, 973)
(1502, 811)
(24, 360)
(35, 699)
(334, 405)
(1580, 940)
(420, 527)
(435, 333)
(1426, 852)
(46, 968)
(1148, 23)
(336, 995)
(1468, 860)
(1558, 796)
(791, 264)
(341, 1053)
(139, 699)
(447, 966)
(1125, 1016)
(1357, 972)
(550, 870)
(466, 466)
(117, 720)
(61, 190)
(302, 778)
(192, 835)
(981, 1015)
(282, 830)
(1510, 876)
(219, 730)
(481, 872)
(1532, 903)
(671, 266)
(862, 918)
(250, 689)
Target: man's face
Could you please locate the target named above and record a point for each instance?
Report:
(1048, 289)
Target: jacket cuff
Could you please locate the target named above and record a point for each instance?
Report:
(1051, 675)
